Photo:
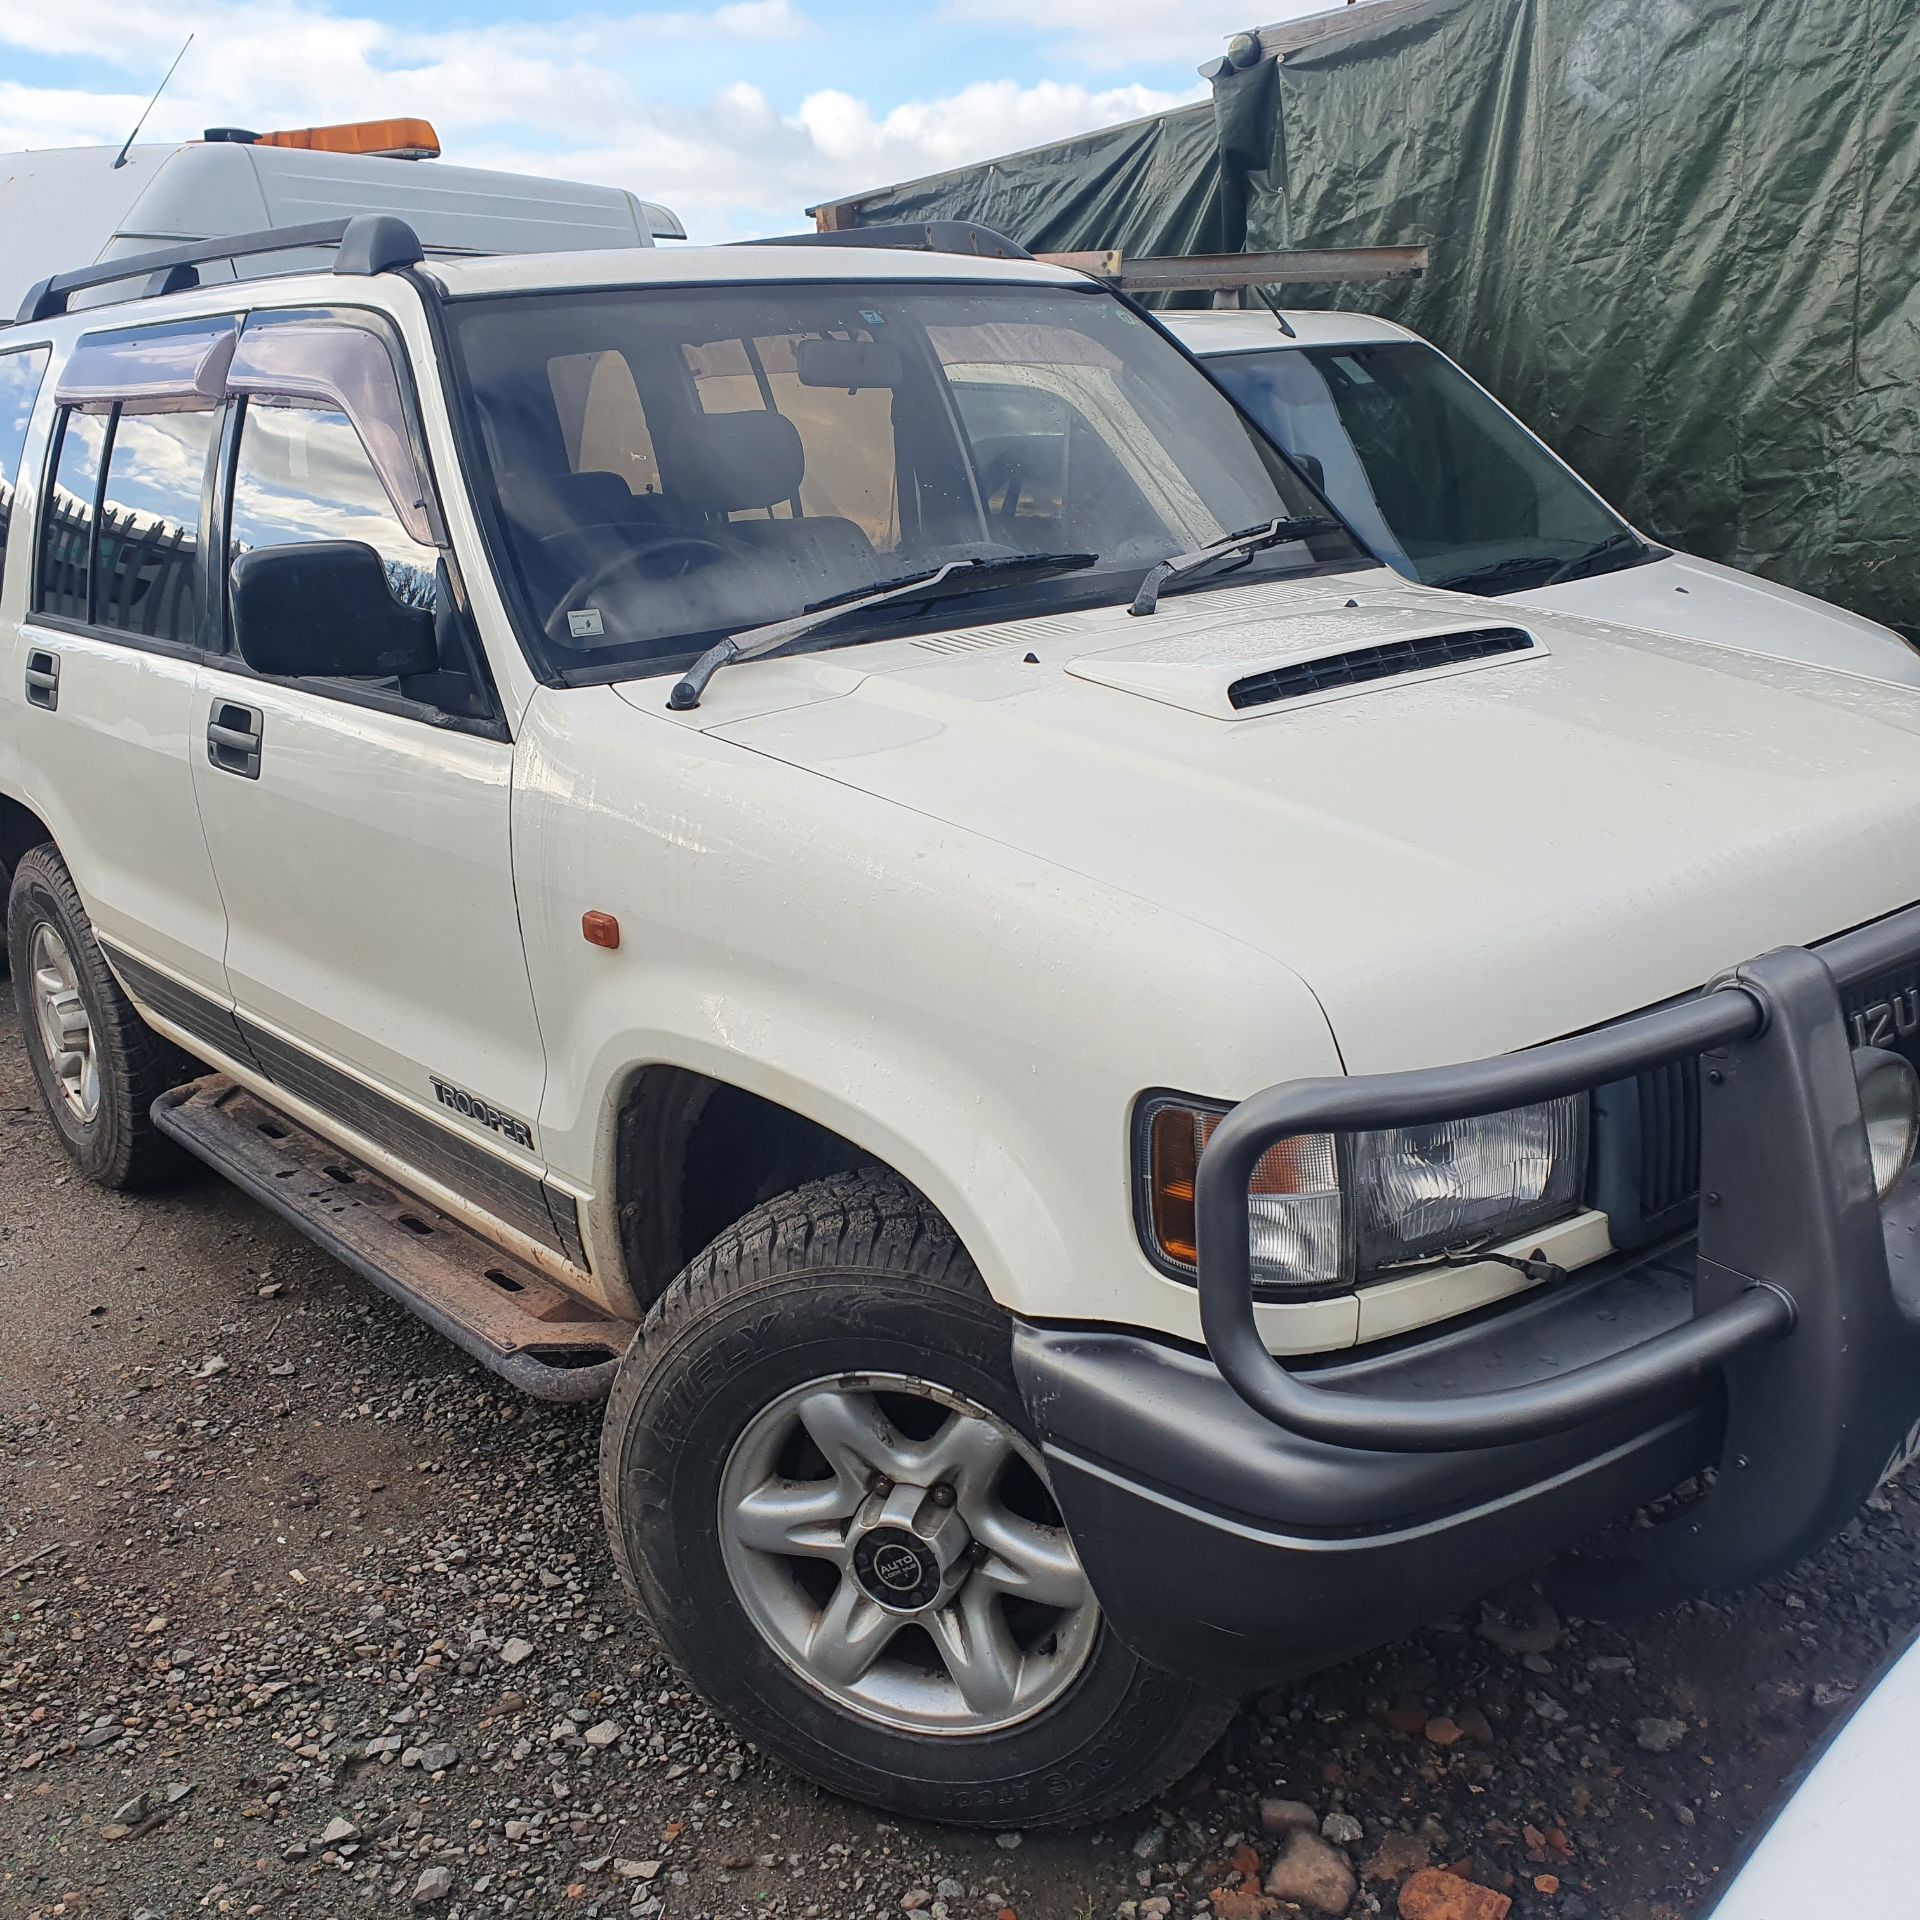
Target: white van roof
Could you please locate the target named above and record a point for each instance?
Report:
(71, 206)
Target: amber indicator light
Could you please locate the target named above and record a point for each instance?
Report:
(1178, 1135)
(600, 929)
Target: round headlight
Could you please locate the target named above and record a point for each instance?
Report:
(1890, 1105)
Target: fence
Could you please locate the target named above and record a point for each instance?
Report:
(144, 571)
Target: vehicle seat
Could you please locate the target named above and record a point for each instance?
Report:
(723, 464)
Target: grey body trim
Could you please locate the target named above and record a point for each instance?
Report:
(512, 1195)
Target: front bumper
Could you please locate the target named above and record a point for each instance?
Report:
(1242, 1520)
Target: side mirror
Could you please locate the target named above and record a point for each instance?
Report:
(326, 609)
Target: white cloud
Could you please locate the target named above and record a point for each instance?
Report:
(738, 166)
(564, 97)
(285, 63)
(761, 20)
(989, 117)
(63, 116)
(1104, 34)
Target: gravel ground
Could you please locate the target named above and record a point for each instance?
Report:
(300, 1613)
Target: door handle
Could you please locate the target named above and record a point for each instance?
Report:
(233, 739)
(43, 678)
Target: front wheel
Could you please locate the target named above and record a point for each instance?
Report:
(818, 1479)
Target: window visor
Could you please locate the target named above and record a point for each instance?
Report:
(274, 362)
(179, 369)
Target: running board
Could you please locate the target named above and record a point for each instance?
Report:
(504, 1312)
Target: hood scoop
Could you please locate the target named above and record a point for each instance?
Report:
(1341, 672)
(1238, 669)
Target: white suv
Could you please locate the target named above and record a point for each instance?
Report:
(825, 839)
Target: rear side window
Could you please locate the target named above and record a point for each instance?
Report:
(602, 420)
(846, 434)
(20, 376)
(148, 572)
(120, 540)
(72, 511)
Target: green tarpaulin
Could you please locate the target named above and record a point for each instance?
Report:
(1680, 237)
(1149, 187)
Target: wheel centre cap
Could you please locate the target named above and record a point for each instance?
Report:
(910, 1550)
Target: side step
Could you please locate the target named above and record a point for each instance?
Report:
(509, 1316)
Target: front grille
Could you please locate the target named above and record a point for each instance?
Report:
(1646, 1131)
(1669, 1136)
(1384, 662)
(1645, 1169)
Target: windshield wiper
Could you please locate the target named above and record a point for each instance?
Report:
(1534, 569)
(1542, 569)
(946, 582)
(1242, 546)
(1623, 542)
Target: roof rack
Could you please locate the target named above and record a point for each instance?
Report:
(929, 236)
(365, 243)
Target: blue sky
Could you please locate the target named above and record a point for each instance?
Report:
(737, 113)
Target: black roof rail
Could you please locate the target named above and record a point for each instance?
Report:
(367, 243)
(377, 243)
(927, 236)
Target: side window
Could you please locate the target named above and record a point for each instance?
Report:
(148, 567)
(20, 376)
(126, 554)
(67, 522)
(1045, 468)
(847, 441)
(1068, 441)
(602, 420)
(1021, 439)
(301, 474)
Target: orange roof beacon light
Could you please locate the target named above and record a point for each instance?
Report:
(404, 139)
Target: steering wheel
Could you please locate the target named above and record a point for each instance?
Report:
(628, 560)
(575, 530)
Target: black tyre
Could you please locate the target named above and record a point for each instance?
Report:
(99, 1065)
(817, 1477)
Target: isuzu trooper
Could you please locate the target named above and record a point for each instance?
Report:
(826, 842)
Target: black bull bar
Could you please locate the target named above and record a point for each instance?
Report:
(1806, 1289)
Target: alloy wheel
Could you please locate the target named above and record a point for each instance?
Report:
(66, 1031)
(895, 1543)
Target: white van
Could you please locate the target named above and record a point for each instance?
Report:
(71, 205)
(1450, 489)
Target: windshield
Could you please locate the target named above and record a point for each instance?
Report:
(670, 466)
(1426, 467)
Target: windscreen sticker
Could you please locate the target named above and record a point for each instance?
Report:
(585, 623)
